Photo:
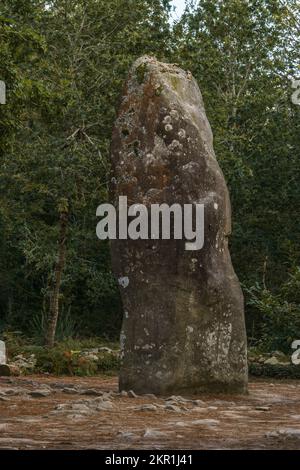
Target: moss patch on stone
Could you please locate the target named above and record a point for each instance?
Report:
(140, 73)
(175, 82)
(158, 90)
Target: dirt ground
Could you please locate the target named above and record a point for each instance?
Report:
(45, 412)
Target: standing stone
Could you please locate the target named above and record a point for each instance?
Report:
(183, 328)
(2, 353)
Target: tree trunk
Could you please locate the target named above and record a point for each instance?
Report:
(59, 267)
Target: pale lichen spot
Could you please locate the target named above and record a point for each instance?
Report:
(148, 346)
(182, 134)
(123, 281)
(167, 120)
(175, 144)
(174, 113)
(193, 264)
(149, 159)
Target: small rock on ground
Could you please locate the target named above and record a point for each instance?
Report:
(40, 393)
(147, 408)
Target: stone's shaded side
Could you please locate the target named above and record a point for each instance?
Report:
(183, 327)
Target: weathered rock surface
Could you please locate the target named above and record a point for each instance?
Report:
(42, 393)
(183, 328)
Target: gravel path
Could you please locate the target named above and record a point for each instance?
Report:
(43, 412)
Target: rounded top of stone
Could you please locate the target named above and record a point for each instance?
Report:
(162, 67)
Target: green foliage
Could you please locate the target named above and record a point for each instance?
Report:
(140, 73)
(67, 64)
(59, 361)
(66, 327)
(278, 371)
(66, 357)
(278, 314)
(64, 63)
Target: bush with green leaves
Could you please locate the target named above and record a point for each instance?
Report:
(278, 314)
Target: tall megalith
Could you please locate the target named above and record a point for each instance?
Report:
(183, 327)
